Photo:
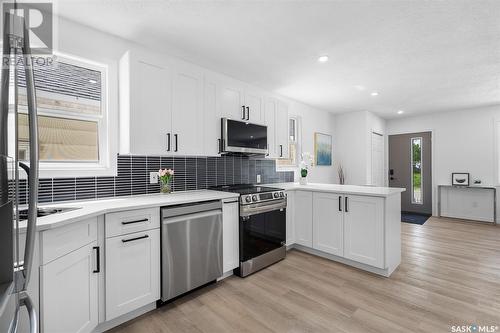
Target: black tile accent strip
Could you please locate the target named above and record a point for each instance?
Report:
(191, 173)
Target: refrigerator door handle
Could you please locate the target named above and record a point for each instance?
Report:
(33, 170)
(26, 301)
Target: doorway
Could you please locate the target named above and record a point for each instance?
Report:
(410, 167)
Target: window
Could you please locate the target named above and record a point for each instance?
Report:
(292, 146)
(416, 171)
(72, 115)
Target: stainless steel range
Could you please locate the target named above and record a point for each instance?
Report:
(262, 226)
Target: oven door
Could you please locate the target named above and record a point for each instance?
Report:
(261, 233)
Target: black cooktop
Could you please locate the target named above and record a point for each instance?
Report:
(245, 189)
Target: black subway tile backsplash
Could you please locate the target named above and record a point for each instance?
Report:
(191, 173)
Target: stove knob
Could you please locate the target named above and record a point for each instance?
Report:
(281, 195)
(254, 197)
(276, 195)
(248, 198)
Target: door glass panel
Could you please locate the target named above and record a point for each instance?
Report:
(416, 171)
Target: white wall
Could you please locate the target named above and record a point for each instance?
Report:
(463, 141)
(313, 120)
(353, 144)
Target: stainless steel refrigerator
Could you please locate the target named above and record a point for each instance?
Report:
(15, 271)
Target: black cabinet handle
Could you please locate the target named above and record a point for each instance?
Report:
(340, 203)
(248, 113)
(97, 259)
(176, 137)
(243, 117)
(135, 221)
(168, 141)
(134, 239)
(219, 146)
(345, 206)
(281, 150)
(267, 154)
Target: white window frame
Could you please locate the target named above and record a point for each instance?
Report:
(293, 167)
(106, 165)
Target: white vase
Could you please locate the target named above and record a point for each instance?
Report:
(303, 181)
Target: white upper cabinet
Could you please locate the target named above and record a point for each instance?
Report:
(328, 223)
(270, 111)
(211, 116)
(145, 105)
(364, 230)
(187, 111)
(232, 98)
(254, 105)
(282, 130)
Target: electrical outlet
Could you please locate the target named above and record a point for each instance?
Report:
(153, 177)
(258, 179)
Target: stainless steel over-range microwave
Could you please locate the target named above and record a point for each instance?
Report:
(243, 137)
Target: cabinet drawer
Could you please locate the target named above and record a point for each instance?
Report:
(130, 221)
(60, 241)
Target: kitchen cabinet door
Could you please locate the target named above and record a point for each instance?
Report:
(187, 110)
(328, 230)
(282, 130)
(364, 230)
(145, 106)
(270, 110)
(303, 218)
(231, 96)
(132, 272)
(230, 235)
(254, 102)
(290, 225)
(212, 118)
(69, 292)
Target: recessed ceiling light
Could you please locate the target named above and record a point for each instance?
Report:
(374, 93)
(92, 81)
(400, 112)
(323, 58)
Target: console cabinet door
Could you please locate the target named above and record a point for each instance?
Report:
(132, 271)
(303, 218)
(69, 292)
(328, 223)
(230, 235)
(364, 230)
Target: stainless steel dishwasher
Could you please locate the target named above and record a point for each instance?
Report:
(191, 247)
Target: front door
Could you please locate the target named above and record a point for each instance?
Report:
(410, 167)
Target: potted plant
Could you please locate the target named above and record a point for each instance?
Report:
(305, 163)
(166, 176)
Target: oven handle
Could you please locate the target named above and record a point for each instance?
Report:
(244, 211)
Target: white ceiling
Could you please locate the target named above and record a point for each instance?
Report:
(421, 56)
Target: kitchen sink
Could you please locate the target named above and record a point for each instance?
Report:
(45, 211)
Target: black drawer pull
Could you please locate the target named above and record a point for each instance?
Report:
(97, 259)
(136, 221)
(345, 206)
(340, 203)
(134, 239)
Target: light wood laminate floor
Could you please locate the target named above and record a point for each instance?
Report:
(449, 275)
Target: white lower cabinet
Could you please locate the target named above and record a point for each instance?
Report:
(303, 218)
(132, 271)
(328, 223)
(347, 226)
(364, 230)
(290, 225)
(230, 235)
(69, 292)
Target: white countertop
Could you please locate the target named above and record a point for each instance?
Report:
(343, 189)
(88, 209)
